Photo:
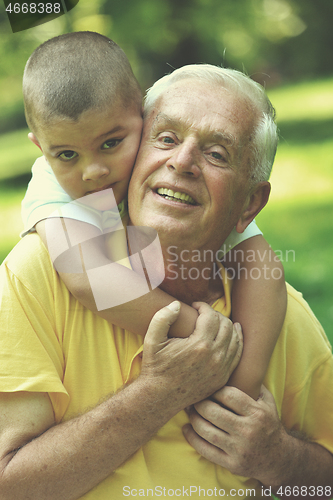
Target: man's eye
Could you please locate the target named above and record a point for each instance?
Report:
(216, 155)
(68, 155)
(217, 158)
(111, 143)
(167, 140)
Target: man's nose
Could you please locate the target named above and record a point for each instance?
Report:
(185, 159)
(95, 171)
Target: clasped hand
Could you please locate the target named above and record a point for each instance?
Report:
(184, 371)
(238, 433)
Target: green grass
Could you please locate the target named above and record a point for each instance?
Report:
(301, 233)
(10, 216)
(307, 100)
(17, 154)
(300, 213)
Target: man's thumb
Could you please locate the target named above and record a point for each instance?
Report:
(160, 324)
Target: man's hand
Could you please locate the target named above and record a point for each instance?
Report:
(184, 371)
(243, 437)
(247, 438)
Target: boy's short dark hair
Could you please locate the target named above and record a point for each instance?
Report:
(72, 73)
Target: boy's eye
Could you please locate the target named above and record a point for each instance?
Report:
(111, 143)
(68, 155)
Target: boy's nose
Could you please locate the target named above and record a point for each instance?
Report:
(95, 171)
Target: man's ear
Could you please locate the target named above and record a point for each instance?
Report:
(34, 139)
(256, 201)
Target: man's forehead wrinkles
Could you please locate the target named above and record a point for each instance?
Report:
(162, 118)
(223, 137)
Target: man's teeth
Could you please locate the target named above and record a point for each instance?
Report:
(171, 195)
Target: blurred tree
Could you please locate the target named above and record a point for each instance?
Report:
(174, 33)
(309, 54)
(285, 39)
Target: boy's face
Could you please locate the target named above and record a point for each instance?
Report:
(95, 153)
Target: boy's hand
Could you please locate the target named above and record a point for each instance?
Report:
(185, 371)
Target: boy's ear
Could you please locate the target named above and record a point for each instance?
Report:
(34, 139)
(256, 201)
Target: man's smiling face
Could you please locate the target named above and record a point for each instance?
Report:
(190, 181)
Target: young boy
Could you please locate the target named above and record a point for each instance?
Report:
(83, 106)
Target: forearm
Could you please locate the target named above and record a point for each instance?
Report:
(134, 315)
(297, 463)
(71, 458)
(260, 309)
(118, 294)
(259, 304)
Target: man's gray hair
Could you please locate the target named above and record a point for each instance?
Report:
(265, 137)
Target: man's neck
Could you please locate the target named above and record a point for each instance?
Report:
(192, 275)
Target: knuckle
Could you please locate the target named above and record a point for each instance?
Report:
(227, 322)
(148, 344)
(260, 415)
(213, 413)
(227, 329)
(214, 320)
(215, 439)
(202, 346)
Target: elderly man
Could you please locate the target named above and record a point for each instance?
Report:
(87, 418)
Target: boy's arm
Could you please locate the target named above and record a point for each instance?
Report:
(134, 315)
(259, 301)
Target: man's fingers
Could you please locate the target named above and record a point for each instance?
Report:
(266, 396)
(236, 400)
(215, 325)
(160, 324)
(208, 411)
(207, 322)
(204, 448)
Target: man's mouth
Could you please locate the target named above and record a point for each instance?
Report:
(169, 194)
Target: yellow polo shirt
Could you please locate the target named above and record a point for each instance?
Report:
(50, 343)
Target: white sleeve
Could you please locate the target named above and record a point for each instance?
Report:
(235, 238)
(45, 196)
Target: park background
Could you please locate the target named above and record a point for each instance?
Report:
(286, 45)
